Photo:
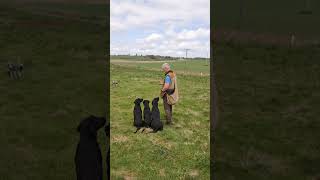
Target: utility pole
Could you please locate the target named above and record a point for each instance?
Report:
(185, 62)
(187, 52)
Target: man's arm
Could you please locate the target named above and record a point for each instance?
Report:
(166, 83)
(165, 86)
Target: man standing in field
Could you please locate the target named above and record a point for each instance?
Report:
(169, 91)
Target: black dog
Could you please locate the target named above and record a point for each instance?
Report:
(88, 157)
(156, 124)
(137, 115)
(147, 113)
(107, 131)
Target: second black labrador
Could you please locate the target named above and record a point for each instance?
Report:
(137, 115)
(88, 157)
(147, 113)
(156, 124)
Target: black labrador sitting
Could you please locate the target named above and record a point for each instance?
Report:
(88, 157)
(137, 115)
(156, 124)
(147, 113)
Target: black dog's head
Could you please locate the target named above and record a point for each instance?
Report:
(138, 101)
(146, 102)
(155, 101)
(90, 125)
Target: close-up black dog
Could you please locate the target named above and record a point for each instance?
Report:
(137, 115)
(88, 159)
(156, 124)
(107, 131)
(147, 113)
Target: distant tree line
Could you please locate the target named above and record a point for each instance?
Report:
(154, 57)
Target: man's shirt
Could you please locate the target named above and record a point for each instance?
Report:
(167, 79)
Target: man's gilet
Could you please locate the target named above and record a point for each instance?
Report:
(172, 91)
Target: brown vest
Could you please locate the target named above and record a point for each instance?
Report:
(172, 75)
(172, 91)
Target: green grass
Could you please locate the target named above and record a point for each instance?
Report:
(85, 12)
(180, 151)
(279, 17)
(65, 71)
(268, 121)
(195, 67)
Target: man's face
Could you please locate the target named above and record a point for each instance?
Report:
(165, 69)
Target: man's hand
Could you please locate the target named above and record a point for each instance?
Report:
(162, 93)
(164, 88)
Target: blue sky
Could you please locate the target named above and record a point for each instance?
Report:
(160, 27)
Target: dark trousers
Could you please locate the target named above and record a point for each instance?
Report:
(167, 109)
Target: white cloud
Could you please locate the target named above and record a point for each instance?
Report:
(166, 44)
(166, 27)
(131, 14)
(153, 37)
(194, 34)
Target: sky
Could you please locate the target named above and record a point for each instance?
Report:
(160, 27)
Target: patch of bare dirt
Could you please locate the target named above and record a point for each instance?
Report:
(162, 172)
(194, 173)
(127, 175)
(119, 139)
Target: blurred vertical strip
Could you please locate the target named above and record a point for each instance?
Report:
(213, 95)
(107, 81)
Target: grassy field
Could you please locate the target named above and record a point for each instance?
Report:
(65, 69)
(193, 67)
(269, 113)
(180, 151)
(268, 96)
(279, 17)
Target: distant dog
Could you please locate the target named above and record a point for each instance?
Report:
(15, 71)
(147, 113)
(88, 157)
(156, 124)
(137, 115)
(11, 70)
(107, 131)
(115, 83)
